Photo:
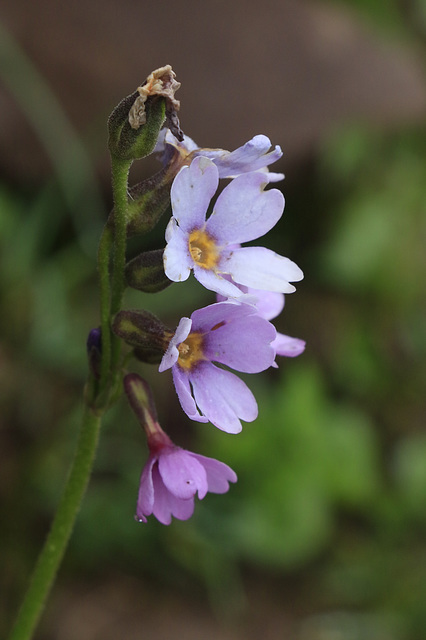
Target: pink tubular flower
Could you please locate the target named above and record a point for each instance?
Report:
(242, 212)
(229, 334)
(173, 476)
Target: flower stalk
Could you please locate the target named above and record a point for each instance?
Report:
(54, 548)
(100, 390)
(235, 332)
(120, 173)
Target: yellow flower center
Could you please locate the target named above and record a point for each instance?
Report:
(203, 249)
(191, 351)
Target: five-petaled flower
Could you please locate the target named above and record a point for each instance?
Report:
(230, 334)
(254, 155)
(243, 212)
(173, 476)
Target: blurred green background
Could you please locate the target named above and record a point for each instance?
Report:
(323, 537)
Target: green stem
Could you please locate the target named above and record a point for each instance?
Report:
(57, 540)
(120, 174)
(105, 298)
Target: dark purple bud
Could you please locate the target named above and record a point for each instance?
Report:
(94, 340)
(94, 351)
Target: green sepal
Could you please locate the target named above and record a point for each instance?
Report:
(146, 272)
(142, 330)
(150, 199)
(148, 356)
(140, 398)
(128, 143)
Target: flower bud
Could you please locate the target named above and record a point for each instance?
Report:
(141, 399)
(148, 201)
(94, 351)
(142, 330)
(146, 272)
(135, 123)
(148, 356)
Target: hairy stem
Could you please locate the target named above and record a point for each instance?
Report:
(120, 174)
(56, 543)
(105, 298)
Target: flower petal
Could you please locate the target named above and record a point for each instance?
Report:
(223, 398)
(172, 354)
(145, 503)
(219, 475)
(244, 211)
(273, 177)
(203, 320)
(261, 268)
(182, 474)
(215, 282)
(243, 343)
(250, 157)
(186, 146)
(269, 304)
(191, 192)
(288, 346)
(176, 257)
(166, 504)
(183, 390)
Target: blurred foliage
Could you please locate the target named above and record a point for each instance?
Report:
(390, 17)
(332, 475)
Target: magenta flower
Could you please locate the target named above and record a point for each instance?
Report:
(254, 155)
(173, 476)
(242, 212)
(230, 334)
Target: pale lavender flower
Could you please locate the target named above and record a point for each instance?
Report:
(230, 334)
(254, 155)
(269, 305)
(173, 476)
(242, 212)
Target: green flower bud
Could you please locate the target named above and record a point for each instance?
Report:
(127, 143)
(135, 123)
(146, 272)
(141, 399)
(144, 331)
(148, 356)
(150, 199)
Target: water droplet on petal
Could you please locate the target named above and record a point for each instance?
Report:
(138, 519)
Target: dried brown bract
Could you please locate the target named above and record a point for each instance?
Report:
(160, 82)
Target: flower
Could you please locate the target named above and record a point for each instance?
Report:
(269, 305)
(242, 212)
(254, 155)
(229, 334)
(173, 476)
